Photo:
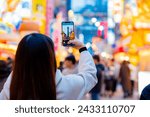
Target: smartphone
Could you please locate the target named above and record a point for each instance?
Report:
(67, 32)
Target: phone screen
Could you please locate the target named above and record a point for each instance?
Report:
(67, 32)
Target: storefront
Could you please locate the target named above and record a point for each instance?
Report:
(135, 31)
(21, 17)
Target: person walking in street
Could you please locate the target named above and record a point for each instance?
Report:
(113, 77)
(35, 77)
(95, 92)
(61, 66)
(117, 70)
(133, 76)
(109, 78)
(124, 76)
(70, 66)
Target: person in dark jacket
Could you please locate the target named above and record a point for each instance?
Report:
(125, 79)
(95, 92)
(145, 93)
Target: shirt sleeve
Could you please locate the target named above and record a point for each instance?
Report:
(75, 86)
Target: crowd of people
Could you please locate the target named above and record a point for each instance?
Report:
(110, 74)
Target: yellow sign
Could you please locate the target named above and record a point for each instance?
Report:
(39, 6)
(39, 12)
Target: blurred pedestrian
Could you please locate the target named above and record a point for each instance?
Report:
(61, 66)
(117, 70)
(70, 66)
(109, 78)
(95, 92)
(35, 76)
(124, 76)
(133, 76)
(113, 75)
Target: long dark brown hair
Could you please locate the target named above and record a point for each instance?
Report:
(34, 69)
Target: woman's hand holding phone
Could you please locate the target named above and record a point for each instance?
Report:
(68, 36)
(76, 44)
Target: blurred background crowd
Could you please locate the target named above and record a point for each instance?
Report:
(116, 33)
